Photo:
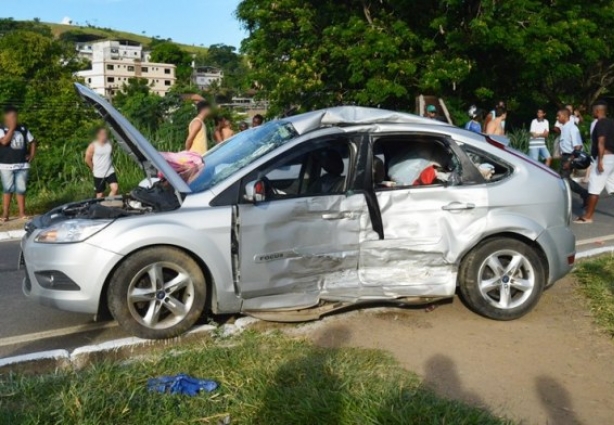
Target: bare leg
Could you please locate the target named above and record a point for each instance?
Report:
(99, 195)
(6, 204)
(114, 189)
(21, 204)
(548, 162)
(591, 205)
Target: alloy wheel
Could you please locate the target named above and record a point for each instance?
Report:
(160, 295)
(506, 279)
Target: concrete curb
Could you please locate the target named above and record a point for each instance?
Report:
(595, 252)
(12, 235)
(119, 349)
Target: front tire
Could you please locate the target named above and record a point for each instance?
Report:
(502, 279)
(157, 293)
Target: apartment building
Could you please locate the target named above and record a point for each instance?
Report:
(115, 62)
(204, 76)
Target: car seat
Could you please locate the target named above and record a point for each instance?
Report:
(333, 180)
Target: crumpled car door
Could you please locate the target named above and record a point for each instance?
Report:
(293, 251)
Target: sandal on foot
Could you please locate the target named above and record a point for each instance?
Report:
(582, 220)
(4, 219)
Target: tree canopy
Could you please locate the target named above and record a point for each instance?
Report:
(316, 53)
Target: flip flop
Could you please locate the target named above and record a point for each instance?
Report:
(582, 220)
(25, 217)
(4, 219)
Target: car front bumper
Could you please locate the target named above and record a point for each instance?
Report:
(559, 245)
(66, 276)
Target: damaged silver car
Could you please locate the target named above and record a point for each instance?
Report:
(304, 216)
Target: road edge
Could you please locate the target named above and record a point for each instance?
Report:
(12, 235)
(118, 349)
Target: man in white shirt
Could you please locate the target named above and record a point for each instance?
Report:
(540, 128)
(571, 141)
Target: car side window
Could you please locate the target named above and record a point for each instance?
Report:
(491, 168)
(320, 170)
(402, 162)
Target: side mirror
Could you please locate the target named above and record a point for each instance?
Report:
(255, 191)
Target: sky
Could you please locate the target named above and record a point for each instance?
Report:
(185, 21)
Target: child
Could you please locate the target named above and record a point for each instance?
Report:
(99, 157)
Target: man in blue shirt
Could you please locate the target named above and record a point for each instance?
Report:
(571, 141)
(473, 124)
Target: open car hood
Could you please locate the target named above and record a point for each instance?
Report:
(132, 141)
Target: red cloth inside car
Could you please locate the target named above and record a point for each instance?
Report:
(427, 176)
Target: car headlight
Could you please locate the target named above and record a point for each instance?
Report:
(72, 231)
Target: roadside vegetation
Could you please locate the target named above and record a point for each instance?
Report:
(596, 281)
(264, 379)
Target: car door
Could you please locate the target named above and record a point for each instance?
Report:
(427, 224)
(303, 239)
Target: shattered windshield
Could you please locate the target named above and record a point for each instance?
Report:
(238, 152)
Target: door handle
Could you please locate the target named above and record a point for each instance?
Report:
(458, 206)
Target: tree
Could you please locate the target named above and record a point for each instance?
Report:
(143, 108)
(164, 51)
(322, 52)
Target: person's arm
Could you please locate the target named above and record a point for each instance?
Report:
(546, 132)
(195, 127)
(32, 151)
(6, 140)
(576, 139)
(601, 150)
(89, 156)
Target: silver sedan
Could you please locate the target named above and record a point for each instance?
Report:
(304, 216)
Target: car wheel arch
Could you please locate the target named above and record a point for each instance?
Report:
(511, 235)
(103, 308)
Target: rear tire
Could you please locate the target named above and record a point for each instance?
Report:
(157, 293)
(502, 279)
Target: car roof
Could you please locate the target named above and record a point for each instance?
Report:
(341, 116)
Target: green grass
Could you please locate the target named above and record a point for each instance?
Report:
(596, 281)
(109, 34)
(265, 379)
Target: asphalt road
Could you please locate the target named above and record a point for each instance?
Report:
(28, 327)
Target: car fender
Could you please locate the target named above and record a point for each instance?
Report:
(141, 234)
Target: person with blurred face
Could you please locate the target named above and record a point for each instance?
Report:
(257, 120)
(493, 114)
(540, 129)
(496, 127)
(17, 150)
(602, 169)
(197, 130)
(99, 158)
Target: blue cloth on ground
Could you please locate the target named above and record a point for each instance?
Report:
(181, 384)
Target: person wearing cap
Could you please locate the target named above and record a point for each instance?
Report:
(431, 112)
(473, 124)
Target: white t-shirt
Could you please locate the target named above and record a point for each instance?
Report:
(539, 127)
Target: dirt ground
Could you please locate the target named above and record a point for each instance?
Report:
(551, 367)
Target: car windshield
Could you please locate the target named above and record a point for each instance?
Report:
(238, 152)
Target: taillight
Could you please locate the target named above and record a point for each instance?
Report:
(523, 157)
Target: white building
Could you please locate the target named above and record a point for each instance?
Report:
(204, 76)
(114, 63)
